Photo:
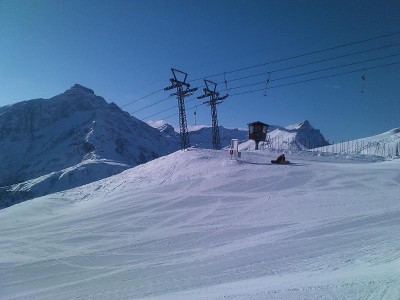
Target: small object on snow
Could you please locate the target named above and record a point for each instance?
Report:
(281, 157)
(286, 162)
(234, 150)
(280, 160)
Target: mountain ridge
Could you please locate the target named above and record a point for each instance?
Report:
(77, 137)
(41, 137)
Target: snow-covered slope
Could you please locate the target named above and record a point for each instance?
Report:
(69, 140)
(299, 136)
(75, 138)
(197, 225)
(386, 145)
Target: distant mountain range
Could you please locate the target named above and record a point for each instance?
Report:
(50, 145)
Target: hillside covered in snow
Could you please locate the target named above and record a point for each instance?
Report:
(386, 144)
(300, 136)
(51, 145)
(197, 225)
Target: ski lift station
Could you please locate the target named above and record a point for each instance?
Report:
(257, 132)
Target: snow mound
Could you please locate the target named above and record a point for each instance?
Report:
(197, 225)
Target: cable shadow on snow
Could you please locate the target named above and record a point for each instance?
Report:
(254, 163)
(270, 164)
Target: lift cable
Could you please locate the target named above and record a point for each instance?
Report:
(270, 62)
(315, 71)
(150, 105)
(317, 78)
(167, 109)
(297, 56)
(310, 63)
(136, 100)
(276, 79)
(282, 85)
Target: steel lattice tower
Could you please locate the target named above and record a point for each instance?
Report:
(210, 91)
(182, 90)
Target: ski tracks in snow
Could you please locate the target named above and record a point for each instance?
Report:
(197, 225)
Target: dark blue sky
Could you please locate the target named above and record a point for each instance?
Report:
(124, 50)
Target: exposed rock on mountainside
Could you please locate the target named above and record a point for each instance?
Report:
(50, 145)
(75, 135)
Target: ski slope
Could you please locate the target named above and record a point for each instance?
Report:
(386, 144)
(197, 225)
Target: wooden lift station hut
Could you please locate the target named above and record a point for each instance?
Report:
(257, 132)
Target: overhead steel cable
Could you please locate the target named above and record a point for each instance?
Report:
(287, 77)
(317, 78)
(173, 115)
(297, 56)
(160, 112)
(136, 100)
(315, 71)
(167, 109)
(311, 63)
(150, 105)
(281, 60)
(283, 85)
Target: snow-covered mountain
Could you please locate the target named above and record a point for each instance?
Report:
(386, 144)
(198, 225)
(202, 138)
(300, 136)
(48, 145)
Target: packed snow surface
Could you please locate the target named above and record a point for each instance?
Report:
(197, 225)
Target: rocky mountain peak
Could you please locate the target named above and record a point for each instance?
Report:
(304, 124)
(79, 98)
(79, 89)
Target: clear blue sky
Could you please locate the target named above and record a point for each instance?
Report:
(124, 50)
